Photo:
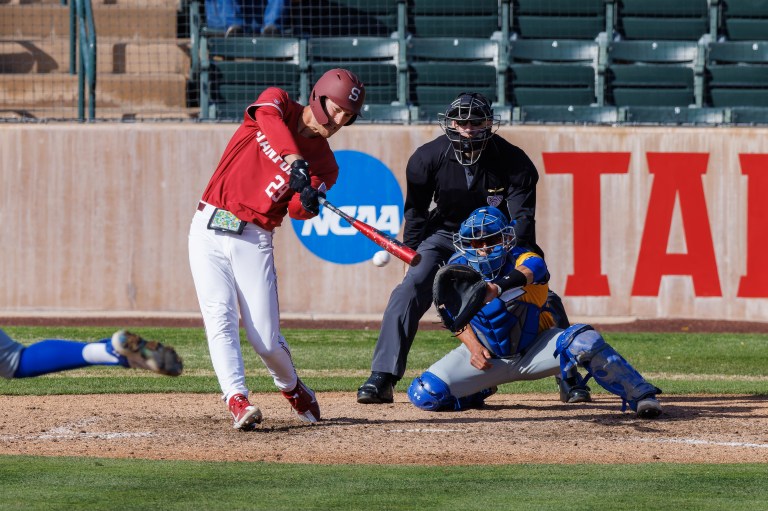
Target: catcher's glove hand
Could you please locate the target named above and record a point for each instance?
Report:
(458, 293)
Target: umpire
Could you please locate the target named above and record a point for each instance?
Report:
(468, 168)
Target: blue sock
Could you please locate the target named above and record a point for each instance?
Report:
(50, 356)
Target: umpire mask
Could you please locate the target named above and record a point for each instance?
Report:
(469, 124)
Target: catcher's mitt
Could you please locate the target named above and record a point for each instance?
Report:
(458, 293)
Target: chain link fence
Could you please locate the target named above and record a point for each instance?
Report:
(537, 60)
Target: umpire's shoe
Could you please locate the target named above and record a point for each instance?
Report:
(379, 388)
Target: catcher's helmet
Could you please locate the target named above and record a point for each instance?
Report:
(343, 87)
(484, 239)
(473, 111)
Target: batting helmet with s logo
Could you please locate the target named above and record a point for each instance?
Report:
(344, 88)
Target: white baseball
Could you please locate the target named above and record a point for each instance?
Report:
(381, 258)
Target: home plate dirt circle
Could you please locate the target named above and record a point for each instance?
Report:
(526, 428)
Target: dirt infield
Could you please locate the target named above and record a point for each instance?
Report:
(530, 428)
(510, 429)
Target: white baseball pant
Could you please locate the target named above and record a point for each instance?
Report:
(237, 272)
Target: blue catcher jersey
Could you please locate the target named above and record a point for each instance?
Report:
(507, 325)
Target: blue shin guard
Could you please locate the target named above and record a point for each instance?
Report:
(429, 392)
(582, 345)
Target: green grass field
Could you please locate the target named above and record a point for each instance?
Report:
(338, 360)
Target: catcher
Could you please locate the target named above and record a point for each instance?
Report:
(492, 295)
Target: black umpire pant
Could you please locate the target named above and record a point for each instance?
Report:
(412, 298)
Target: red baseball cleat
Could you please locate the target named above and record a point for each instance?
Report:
(245, 415)
(304, 402)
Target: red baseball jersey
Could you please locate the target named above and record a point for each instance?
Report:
(251, 180)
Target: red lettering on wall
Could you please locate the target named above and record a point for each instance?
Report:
(677, 174)
(755, 283)
(586, 168)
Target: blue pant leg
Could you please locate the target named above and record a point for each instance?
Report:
(408, 303)
(273, 13)
(51, 356)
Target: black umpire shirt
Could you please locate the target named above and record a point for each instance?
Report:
(504, 173)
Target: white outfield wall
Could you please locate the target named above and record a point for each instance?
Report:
(635, 222)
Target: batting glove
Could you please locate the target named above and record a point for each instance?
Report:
(310, 199)
(299, 179)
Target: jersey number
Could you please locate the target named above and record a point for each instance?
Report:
(277, 188)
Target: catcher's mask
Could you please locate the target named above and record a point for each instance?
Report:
(484, 239)
(344, 88)
(469, 124)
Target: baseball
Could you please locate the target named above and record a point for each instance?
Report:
(381, 258)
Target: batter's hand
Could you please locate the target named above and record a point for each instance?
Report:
(299, 179)
(310, 199)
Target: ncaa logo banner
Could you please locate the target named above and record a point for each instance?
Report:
(367, 191)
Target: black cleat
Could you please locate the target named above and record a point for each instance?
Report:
(648, 407)
(379, 388)
(572, 392)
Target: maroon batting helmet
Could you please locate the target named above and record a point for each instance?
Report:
(343, 87)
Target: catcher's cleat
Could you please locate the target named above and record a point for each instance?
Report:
(648, 408)
(245, 415)
(572, 392)
(476, 400)
(142, 354)
(304, 402)
(379, 388)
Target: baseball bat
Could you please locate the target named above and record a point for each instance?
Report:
(385, 241)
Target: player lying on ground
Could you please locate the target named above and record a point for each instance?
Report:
(54, 355)
(512, 337)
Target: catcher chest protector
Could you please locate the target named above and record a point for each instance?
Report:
(507, 328)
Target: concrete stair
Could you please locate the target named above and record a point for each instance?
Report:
(142, 66)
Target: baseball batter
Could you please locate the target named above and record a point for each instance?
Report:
(277, 162)
(53, 355)
(514, 337)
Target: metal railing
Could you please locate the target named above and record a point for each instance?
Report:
(82, 39)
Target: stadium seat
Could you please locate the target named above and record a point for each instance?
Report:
(744, 20)
(374, 59)
(663, 19)
(453, 18)
(655, 115)
(560, 19)
(653, 73)
(571, 114)
(748, 115)
(552, 72)
(440, 68)
(737, 73)
(344, 18)
(234, 70)
(385, 114)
